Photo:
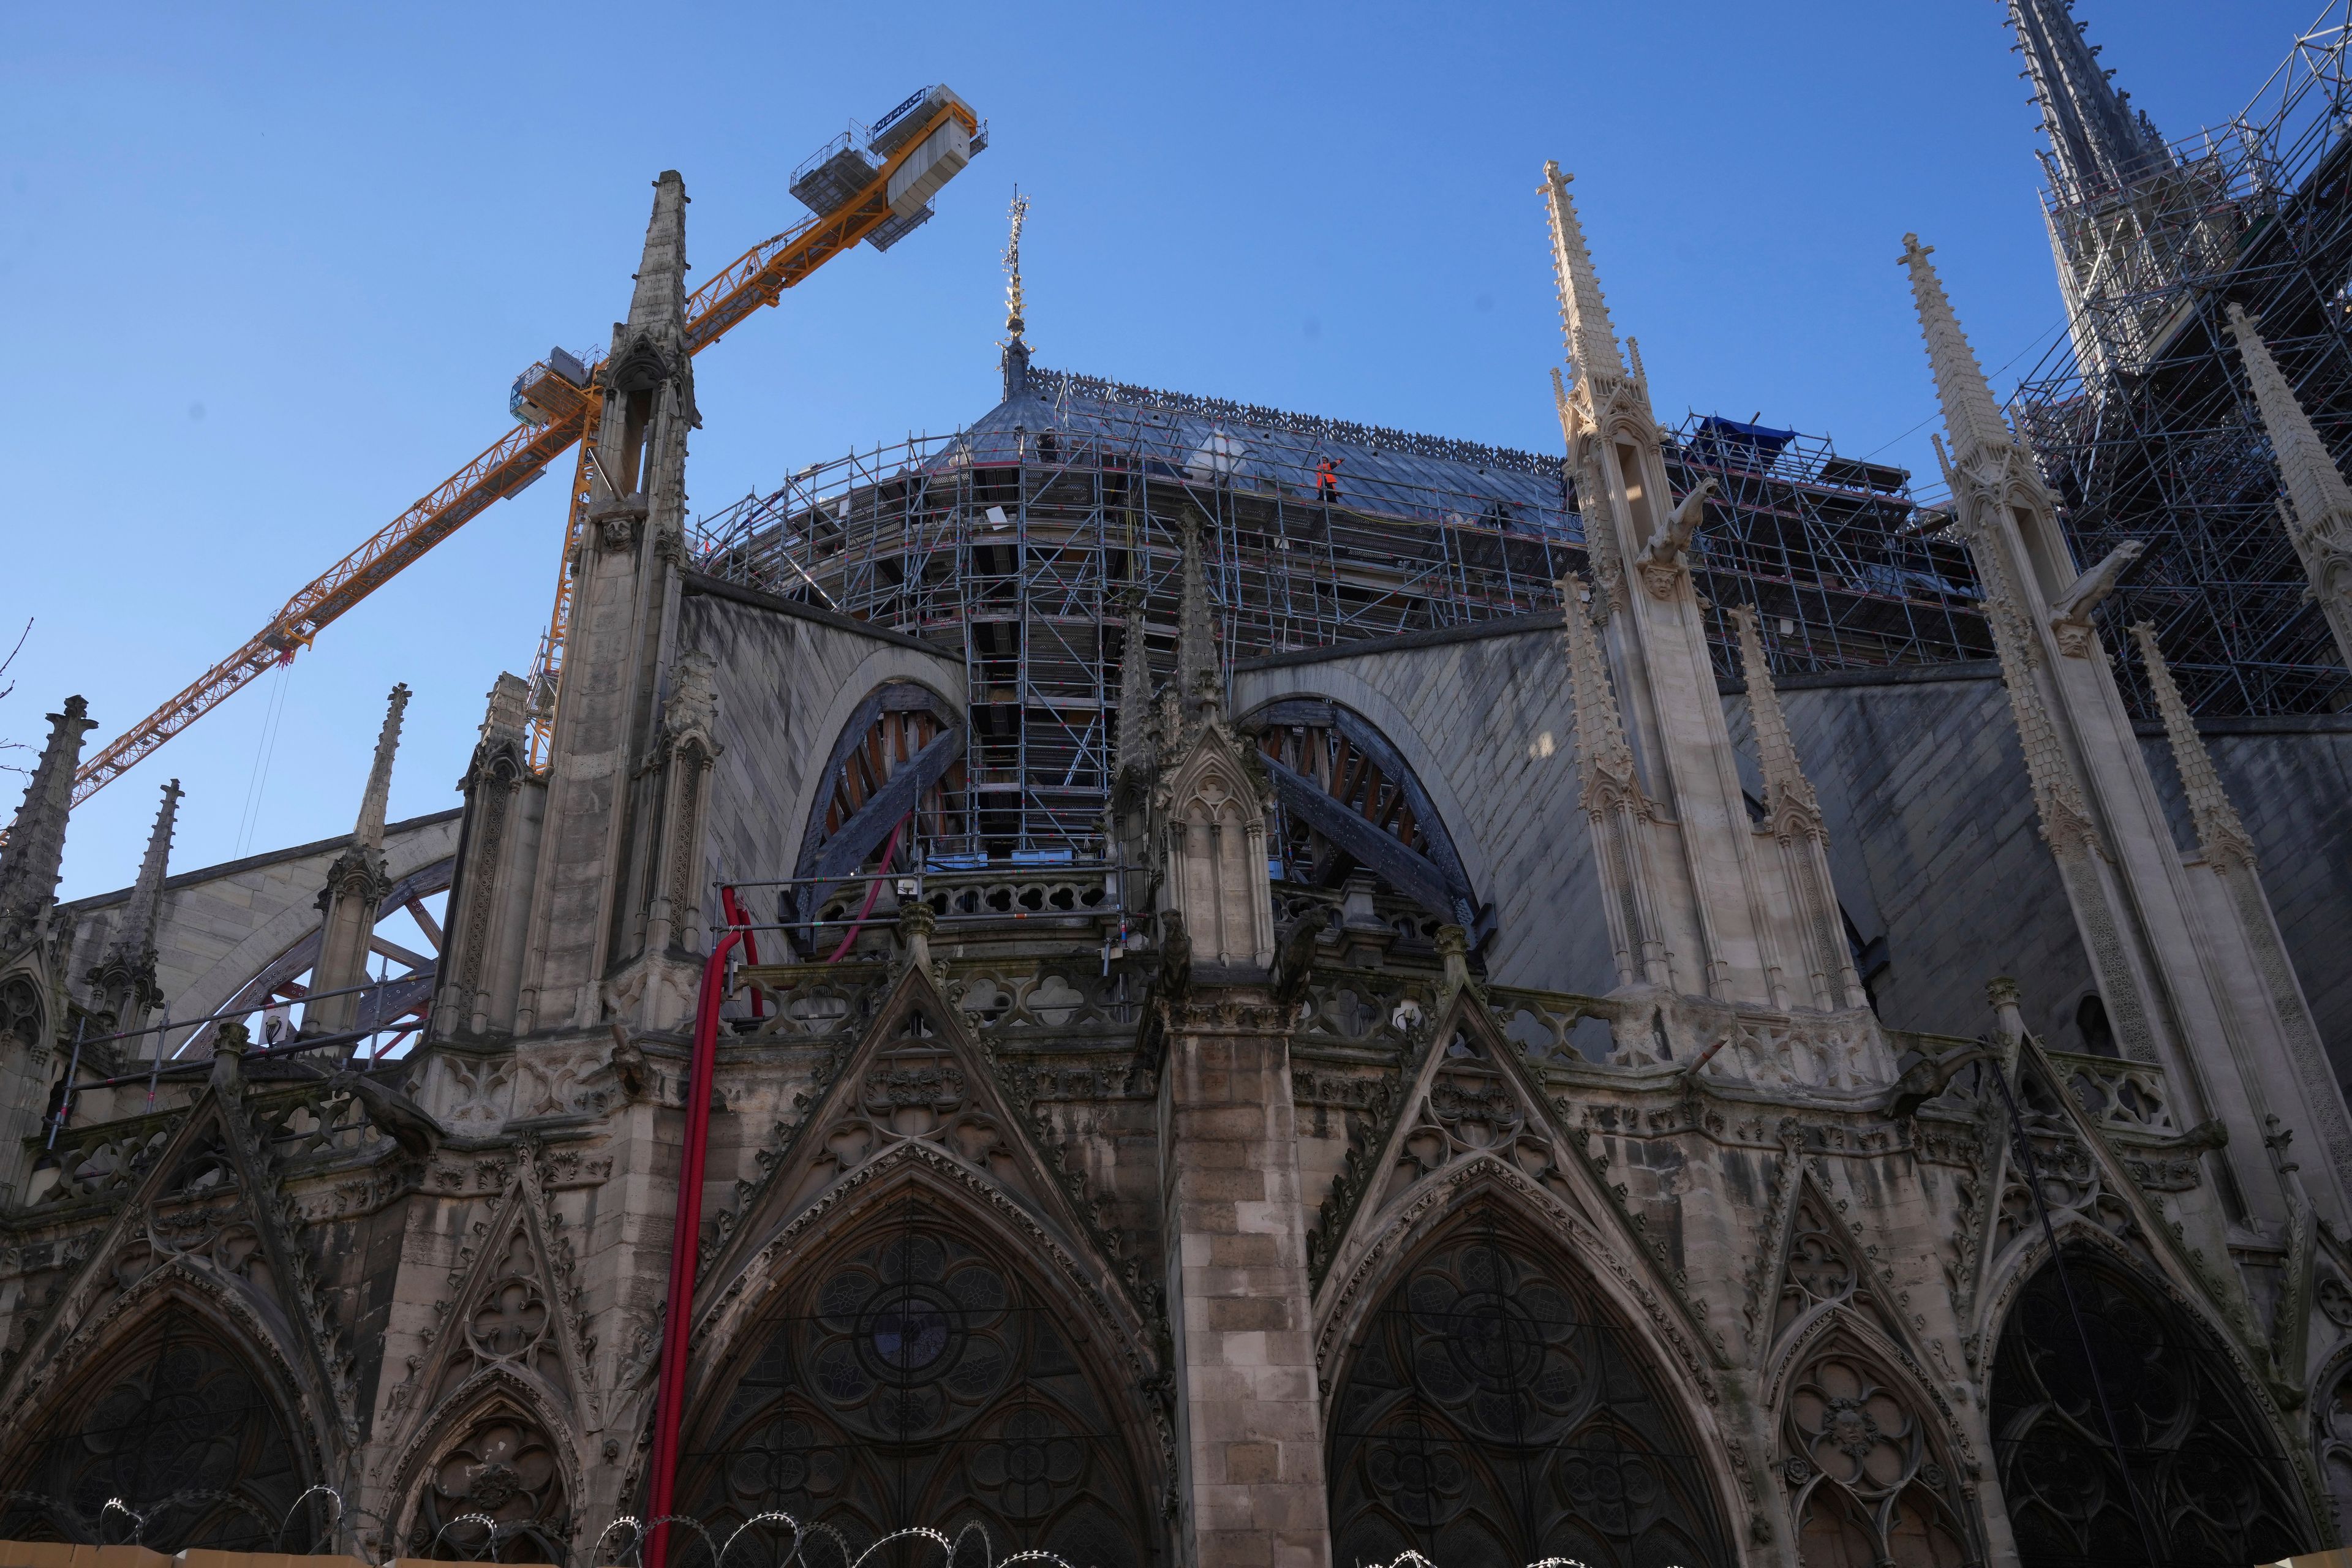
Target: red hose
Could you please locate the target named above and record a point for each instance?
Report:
(871, 892)
(684, 1248)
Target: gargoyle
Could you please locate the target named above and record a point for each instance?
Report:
(391, 1113)
(1175, 977)
(2070, 613)
(1297, 959)
(1674, 535)
(628, 1064)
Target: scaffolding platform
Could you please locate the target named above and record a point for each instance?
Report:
(1040, 546)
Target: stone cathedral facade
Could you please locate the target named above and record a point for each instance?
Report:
(1551, 1162)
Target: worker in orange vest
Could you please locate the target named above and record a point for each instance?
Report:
(1326, 478)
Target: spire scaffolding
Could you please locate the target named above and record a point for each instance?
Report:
(2097, 145)
(2138, 419)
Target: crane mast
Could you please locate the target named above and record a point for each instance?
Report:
(873, 184)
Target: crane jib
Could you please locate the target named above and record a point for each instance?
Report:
(756, 278)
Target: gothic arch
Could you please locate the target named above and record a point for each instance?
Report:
(1869, 1457)
(1214, 850)
(507, 1334)
(2201, 1457)
(498, 1448)
(202, 1225)
(2331, 1435)
(896, 756)
(1349, 796)
(975, 1145)
(177, 1408)
(1498, 1404)
(24, 1018)
(1505, 1150)
(913, 1360)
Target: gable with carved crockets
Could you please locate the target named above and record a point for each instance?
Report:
(916, 1082)
(2090, 1191)
(917, 1104)
(1822, 1268)
(212, 1208)
(1469, 1114)
(513, 1310)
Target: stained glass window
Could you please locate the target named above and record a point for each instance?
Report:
(1499, 1412)
(2206, 1476)
(181, 1431)
(920, 1380)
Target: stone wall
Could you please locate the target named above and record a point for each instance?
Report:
(789, 676)
(223, 925)
(1934, 843)
(1483, 716)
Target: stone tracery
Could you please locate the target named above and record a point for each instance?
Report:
(2195, 1461)
(178, 1426)
(1497, 1412)
(1866, 1485)
(916, 1377)
(497, 1494)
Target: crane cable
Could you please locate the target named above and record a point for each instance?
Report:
(265, 753)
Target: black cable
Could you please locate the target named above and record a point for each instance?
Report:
(2074, 1309)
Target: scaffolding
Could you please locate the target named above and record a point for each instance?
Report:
(2141, 419)
(1027, 544)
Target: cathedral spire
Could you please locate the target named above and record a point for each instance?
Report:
(1971, 411)
(1199, 679)
(1134, 739)
(1591, 340)
(123, 984)
(368, 832)
(35, 854)
(2219, 832)
(1016, 349)
(2321, 525)
(356, 884)
(1787, 792)
(134, 942)
(658, 305)
(2097, 145)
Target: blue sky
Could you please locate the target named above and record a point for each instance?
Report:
(271, 270)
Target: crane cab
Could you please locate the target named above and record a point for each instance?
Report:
(550, 389)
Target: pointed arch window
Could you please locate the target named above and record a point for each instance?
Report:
(917, 1378)
(182, 1430)
(1499, 1412)
(1866, 1487)
(20, 1013)
(496, 1495)
(2195, 1456)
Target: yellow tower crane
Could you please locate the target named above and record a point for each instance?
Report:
(870, 183)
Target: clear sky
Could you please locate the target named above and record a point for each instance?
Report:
(271, 269)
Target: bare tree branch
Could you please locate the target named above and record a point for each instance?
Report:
(8, 690)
